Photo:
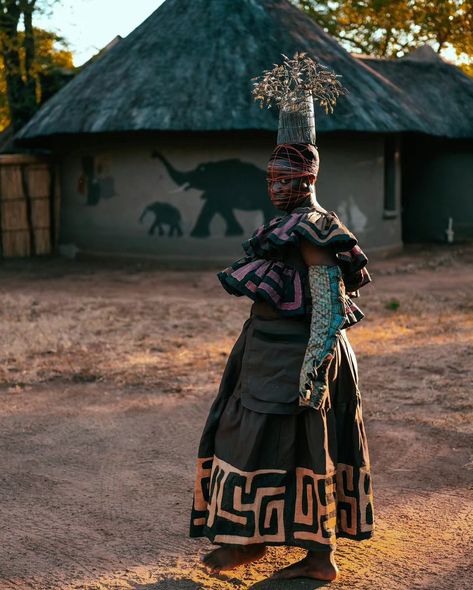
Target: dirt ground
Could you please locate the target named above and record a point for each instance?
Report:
(107, 371)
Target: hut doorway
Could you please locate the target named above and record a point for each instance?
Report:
(437, 183)
(29, 206)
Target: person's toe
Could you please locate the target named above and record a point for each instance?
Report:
(280, 574)
(291, 571)
(210, 560)
(205, 558)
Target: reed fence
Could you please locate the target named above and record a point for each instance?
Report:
(29, 205)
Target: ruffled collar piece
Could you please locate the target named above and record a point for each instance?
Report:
(320, 228)
(263, 274)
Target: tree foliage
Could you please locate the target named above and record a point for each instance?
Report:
(392, 28)
(30, 59)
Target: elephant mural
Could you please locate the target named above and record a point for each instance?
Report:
(164, 213)
(227, 185)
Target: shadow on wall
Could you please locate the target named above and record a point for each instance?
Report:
(94, 186)
(226, 186)
(352, 216)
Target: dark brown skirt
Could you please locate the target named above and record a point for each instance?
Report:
(269, 471)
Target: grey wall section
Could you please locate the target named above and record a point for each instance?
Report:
(108, 184)
(437, 184)
(351, 182)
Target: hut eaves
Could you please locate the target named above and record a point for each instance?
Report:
(440, 90)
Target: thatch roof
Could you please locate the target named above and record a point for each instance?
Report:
(105, 49)
(189, 65)
(442, 92)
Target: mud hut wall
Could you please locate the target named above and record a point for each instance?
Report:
(437, 184)
(352, 183)
(121, 197)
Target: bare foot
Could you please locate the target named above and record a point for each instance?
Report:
(230, 556)
(319, 565)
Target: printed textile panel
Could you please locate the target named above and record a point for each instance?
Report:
(354, 501)
(272, 506)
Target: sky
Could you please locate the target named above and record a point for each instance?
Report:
(88, 25)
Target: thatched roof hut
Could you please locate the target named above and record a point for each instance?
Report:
(437, 172)
(440, 90)
(189, 67)
(163, 151)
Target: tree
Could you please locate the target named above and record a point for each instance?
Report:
(392, 28)
(26, 58)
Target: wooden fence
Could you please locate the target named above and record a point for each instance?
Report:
(29, 206)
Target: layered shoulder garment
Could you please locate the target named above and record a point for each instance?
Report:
(271, 469)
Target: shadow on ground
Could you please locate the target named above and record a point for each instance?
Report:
(188, 584)
(298, 584)
(172, 584)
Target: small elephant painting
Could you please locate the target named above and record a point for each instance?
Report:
(226, 186)
(164, 214)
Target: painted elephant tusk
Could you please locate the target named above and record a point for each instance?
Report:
(181, 188)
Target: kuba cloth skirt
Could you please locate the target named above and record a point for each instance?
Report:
(269, 471)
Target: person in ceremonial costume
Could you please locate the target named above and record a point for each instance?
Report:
(283, 458)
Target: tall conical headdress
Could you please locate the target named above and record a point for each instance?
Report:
(293, 86)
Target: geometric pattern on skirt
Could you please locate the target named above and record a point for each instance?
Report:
(272, 472)
(255, 507)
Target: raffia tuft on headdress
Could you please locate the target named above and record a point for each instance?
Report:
(293, 86)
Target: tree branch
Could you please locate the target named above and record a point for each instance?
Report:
(29, 43)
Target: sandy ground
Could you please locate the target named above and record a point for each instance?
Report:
(108, 370)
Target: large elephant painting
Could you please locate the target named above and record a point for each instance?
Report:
(226, 186)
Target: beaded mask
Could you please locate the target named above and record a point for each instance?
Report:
(288, 170)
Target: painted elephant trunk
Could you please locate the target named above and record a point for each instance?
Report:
(180, 178)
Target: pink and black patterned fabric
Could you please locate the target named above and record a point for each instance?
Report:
(267, 274)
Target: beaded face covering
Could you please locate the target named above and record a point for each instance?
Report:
(288, 166)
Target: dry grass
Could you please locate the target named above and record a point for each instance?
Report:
(97, 477)
(172, 331)
(155, 342)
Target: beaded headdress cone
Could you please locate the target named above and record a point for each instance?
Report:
(297, 125)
